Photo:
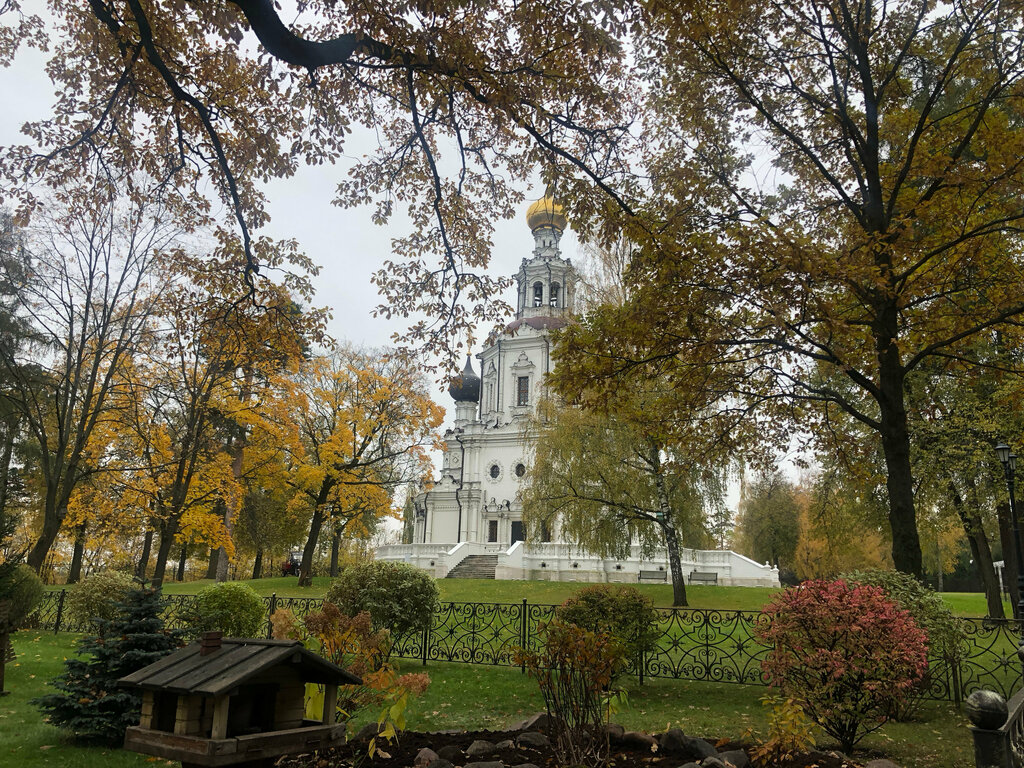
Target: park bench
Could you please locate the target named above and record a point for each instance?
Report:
(653, 576)
(701, 577)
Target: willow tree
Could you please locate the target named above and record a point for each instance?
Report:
(607, 481)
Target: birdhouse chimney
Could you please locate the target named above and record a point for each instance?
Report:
(210, 642)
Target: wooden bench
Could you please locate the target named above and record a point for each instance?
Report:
(653, 576)
(700, 577)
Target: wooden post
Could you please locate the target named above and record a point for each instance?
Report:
(220, 718)
(5, 638)
(330, 702)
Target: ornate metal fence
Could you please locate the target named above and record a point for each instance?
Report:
(694, 644)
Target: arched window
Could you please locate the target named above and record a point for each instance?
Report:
(554, 294)
(538, 294)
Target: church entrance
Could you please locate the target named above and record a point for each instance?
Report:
(517, 531)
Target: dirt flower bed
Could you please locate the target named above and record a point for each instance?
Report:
(527, 746)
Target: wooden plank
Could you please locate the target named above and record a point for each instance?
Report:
(219, 730)
(157, 667)
(207, 669)
(250, 661)
(186, 718)
(330, 703)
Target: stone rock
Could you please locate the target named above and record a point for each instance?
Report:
(486, 764)
(367, 732)
(615, 732)
(425, 757)
(452, 753)
(689, 765)
(534, 739)
(881, 763)
(713, 762)
(672, 741)
(539, 722)
(525, 765)
(441, 763)
(480, 748)
(506, 744)
(740, 759)
(676, 743)
(642, 742)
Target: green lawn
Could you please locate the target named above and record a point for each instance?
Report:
(547, 592)
(476, 697)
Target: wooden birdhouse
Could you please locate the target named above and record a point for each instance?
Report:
(234, 701)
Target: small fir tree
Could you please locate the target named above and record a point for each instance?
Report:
(89, 703)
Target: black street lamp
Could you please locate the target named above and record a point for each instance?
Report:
(1009, 461)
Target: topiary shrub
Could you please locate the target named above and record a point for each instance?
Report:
(90, 704)
(232, 608)
(846, 652)
(97, 597)
(398, 597)
(24, 589)
(623, 612)
(944, 631)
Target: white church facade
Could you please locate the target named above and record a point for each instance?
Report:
(472, 517)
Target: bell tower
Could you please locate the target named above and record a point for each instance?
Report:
(546, 282)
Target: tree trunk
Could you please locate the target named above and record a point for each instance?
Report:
(52, 519)
(306, 570)
(11, 431)
(1009, 554)
(222, 565)
(77, 555)
(335, 552)
(675, 566)
(182, 560)
(211, 567)
(147, 549)
(167, 531)
(257, 567)
(906, 545)
(981, 552)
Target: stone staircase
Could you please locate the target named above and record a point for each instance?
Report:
(475, 567)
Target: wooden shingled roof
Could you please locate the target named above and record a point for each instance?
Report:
(236, 661)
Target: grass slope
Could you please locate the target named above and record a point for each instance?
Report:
(554, 592)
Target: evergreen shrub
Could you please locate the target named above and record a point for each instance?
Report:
(97, 597)
(24, 589)
(89, 703)
(623, 612)
(846, 652)
(229, 607)
(398, 597)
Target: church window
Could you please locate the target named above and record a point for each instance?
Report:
(522, 390)
(492, 530)
(538, 294)
(495, 471)
(520, 470)
(545, 532)
(555, 288)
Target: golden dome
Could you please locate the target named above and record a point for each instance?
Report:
(546, 213)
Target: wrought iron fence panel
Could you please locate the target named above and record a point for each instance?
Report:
(476, 633)
(699, 644)
(45, 614)
(991, 659)
(693, 644)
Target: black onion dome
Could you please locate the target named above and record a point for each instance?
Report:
(465, 388)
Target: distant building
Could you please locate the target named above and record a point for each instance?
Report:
(472, 518)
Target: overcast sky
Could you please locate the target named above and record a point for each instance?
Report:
(344, 242)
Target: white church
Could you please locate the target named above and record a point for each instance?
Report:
(470, 523)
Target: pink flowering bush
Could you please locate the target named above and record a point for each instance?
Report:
(846, 652)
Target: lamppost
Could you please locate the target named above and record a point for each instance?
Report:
(1009, 461)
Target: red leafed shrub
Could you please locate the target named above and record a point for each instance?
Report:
(846, 652)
